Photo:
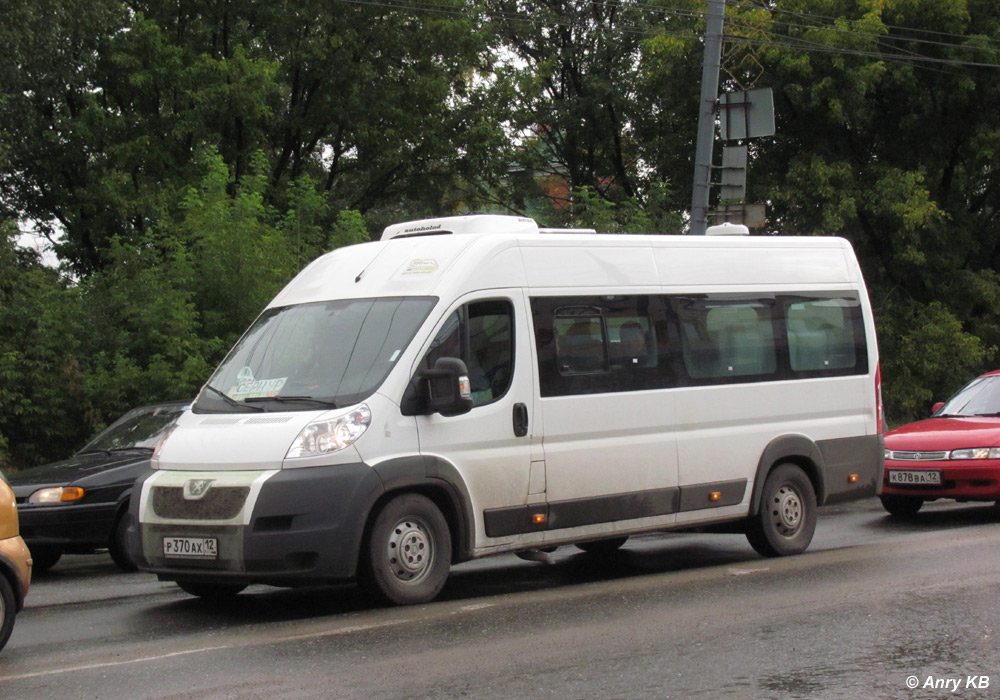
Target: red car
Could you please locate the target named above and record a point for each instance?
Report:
(953, 454)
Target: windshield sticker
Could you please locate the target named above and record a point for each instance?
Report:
(245, 375)
(424, 266)
(395, 354)
(258, 388)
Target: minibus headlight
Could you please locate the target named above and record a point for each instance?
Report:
(976, 453)
(326, 436)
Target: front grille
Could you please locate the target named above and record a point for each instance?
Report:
(905, 456)
(218, 503)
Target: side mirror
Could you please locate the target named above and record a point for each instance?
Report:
(449, 391)
(446, 389)
(937, 407)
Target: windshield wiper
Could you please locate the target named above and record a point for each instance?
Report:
(111, 450)
(231, 401)
(281, 399)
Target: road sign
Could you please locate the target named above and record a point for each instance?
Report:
(747, 114)
(734, 172)
(750, 215)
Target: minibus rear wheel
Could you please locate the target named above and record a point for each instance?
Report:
(407, 554)
(786, 520)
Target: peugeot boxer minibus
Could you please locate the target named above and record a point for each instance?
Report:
(474, 385)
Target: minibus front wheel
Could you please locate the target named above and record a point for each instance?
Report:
(786, 520)
(407, 554)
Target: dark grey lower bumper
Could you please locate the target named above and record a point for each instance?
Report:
(306, 527)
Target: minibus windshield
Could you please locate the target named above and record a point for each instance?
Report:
(320, 355)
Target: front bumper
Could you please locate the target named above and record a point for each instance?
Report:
(80, 526)
(975, 480)
(287, 527)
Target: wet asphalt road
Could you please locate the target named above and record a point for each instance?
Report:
(873, 606)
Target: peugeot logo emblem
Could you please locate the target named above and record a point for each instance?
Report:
(195, 489)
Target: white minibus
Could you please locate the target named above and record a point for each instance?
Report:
(473, 385)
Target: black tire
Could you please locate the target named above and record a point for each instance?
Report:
(602, 547)
(211, 591)
(407, 553)
(118, 547)
(44, 557)
(8, 609)
(786, 520)
(901, 506)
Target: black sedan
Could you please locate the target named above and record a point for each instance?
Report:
(79, 505)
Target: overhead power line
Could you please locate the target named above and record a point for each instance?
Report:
(915, 30)
(799, 43)
(890, 51)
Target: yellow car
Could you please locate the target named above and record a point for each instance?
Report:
(15, 563)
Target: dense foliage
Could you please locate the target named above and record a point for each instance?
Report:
(188, 158)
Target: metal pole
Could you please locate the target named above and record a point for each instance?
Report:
(706, 116)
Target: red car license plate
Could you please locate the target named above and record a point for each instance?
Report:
(915, 476)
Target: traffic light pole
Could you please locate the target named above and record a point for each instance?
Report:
(706, 116)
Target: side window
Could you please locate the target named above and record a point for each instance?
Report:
(601, 344)
(609, 343)
(822, 334)
(723, 340)
(632, 342)
(580, 345)
(481, 334)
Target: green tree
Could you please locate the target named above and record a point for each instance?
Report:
(240, 259)
(140, 337)
(348, 229)
(43, 409)
(604, 97)
(590, 210)
(931, 353)
(107, 106)
(51, 128)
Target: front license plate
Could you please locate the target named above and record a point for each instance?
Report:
(915, 476)
(191, 547)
